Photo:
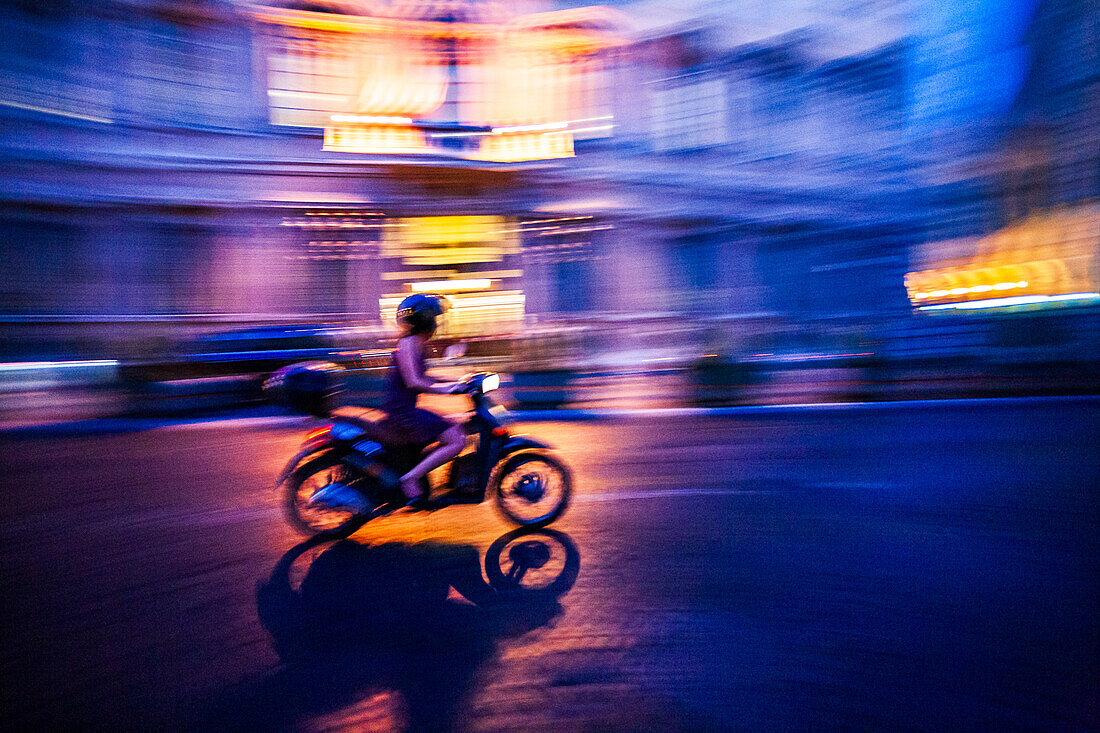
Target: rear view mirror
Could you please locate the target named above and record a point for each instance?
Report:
(454, 351)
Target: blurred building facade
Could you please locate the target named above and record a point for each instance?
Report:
(765, 172)
(289, 160)
(216, 160)
(1014, 212)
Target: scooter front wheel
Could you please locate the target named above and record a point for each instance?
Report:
(533, 488)
(314, 519)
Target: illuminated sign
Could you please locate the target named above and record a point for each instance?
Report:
(1048, 258)
(470, 248)
(450, 240)
(446, 286)
(510, 88)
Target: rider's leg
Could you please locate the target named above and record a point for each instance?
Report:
(451, 443)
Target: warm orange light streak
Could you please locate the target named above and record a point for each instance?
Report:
(318, 432)
(535, 35)
(380, 139)
(1049, 254)
(361, 76)
(444, 286)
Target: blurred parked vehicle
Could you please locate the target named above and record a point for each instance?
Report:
(254, 351)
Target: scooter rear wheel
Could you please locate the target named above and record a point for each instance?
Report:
(317, 520)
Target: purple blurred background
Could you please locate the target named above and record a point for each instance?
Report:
(641, 185)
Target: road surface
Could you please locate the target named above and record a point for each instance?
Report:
(912, 568)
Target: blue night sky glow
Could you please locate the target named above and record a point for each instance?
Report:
(967, 58)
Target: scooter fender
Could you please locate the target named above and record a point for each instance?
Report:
(514, 444)
(311, 448)
(520, 442)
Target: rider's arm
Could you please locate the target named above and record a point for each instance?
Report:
(409, 366)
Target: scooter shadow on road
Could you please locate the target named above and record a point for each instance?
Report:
(377, 623)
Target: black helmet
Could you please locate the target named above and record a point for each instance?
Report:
(419, 312)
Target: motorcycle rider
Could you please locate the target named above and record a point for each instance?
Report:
(405, 423)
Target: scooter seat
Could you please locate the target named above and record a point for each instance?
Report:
(377, 431)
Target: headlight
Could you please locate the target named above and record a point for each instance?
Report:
(489, 383)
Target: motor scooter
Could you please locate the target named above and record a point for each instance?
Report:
(527, 482)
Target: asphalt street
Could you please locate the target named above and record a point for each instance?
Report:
(918, 568)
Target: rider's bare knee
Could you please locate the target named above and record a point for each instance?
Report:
(454, 437)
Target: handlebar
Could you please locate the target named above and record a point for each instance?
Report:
(481, 382)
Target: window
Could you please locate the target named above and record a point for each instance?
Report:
(690, 114)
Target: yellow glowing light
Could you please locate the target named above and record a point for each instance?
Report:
(508, 297)
(447, 230)
(451, 240)
(372, 119)
(1014, 301)
(594, 128)
(379, 139)
(472, 312)
(471, 300)
(432, 257)
(307, 96)
(516, 147)
(537, 127)
(446, 286)
(420, 273)
(362, 66)
(1051, 254)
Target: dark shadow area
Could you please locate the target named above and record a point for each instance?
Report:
(374, 628)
